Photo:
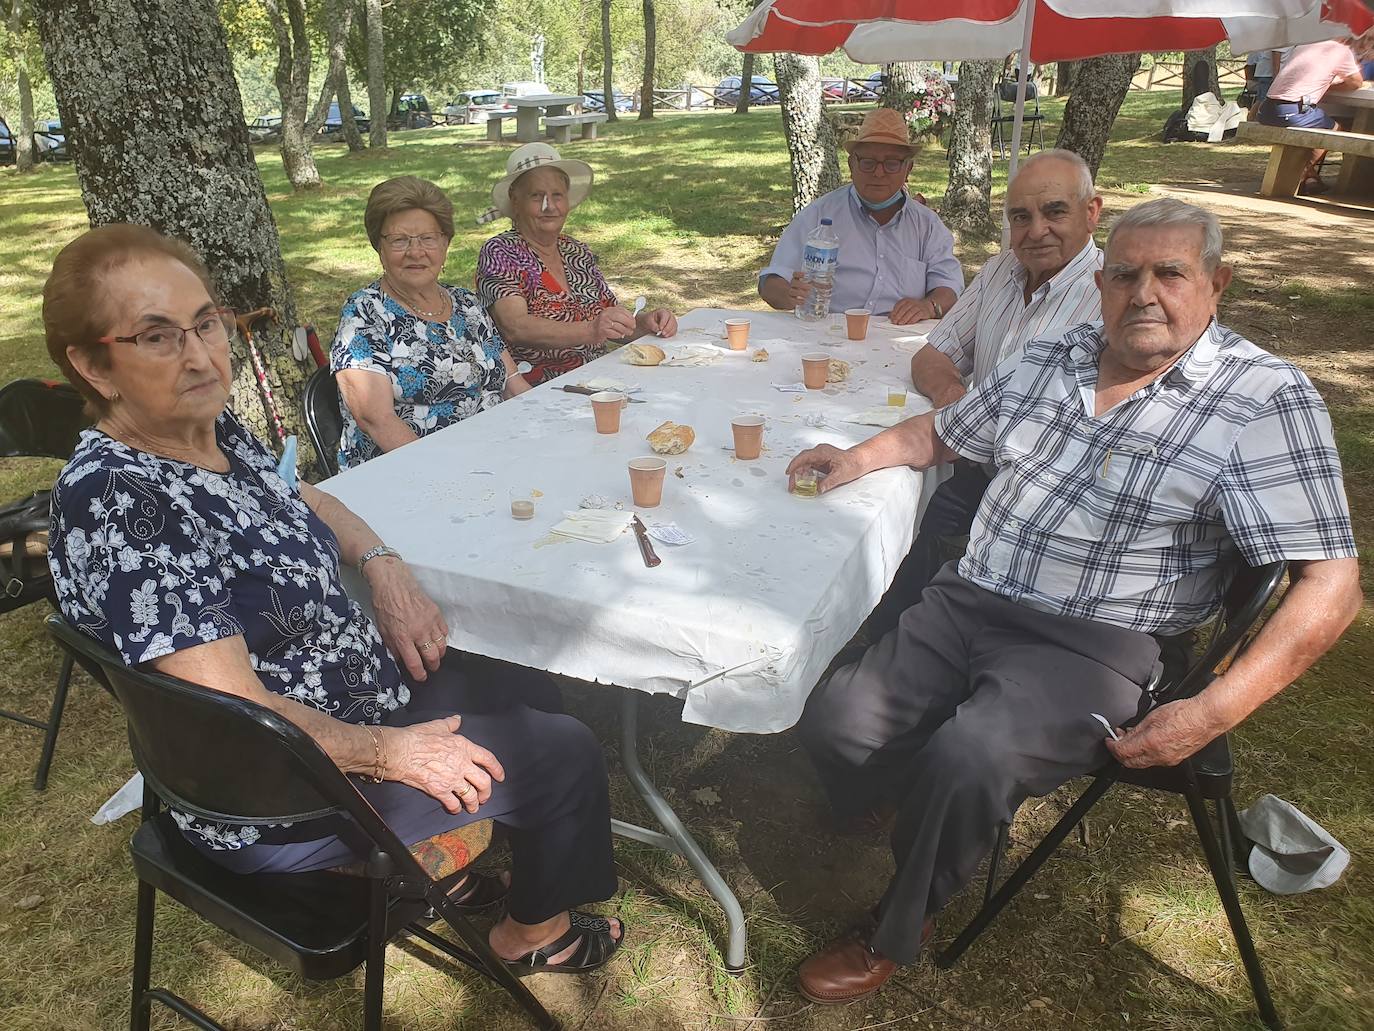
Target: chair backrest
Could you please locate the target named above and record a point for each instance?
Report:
(323, 420)
(40, 418)
(1247, 595)
(1006, 93)
(220, 757)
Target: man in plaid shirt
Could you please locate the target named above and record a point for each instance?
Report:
(1136, 458)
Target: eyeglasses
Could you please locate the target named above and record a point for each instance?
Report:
(891, 165)
(428, 241)
(214, 329)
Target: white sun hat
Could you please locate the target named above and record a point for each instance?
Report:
(537, 155)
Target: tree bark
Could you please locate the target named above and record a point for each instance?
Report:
(148, 88)
(376, 75)
(810, 134)
(746, 82)
(1099, 87)
(897, 91)
(1192, 73)
(1063, 77)
(293, 86)
(350, 124)
(24, 156)
(967, 203)
(646, 92)
(340, 18)
(608, 90)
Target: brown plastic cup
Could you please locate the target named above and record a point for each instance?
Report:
(748, 430)
(737, 333)
(646, 481)
(607, 406)
(815, 370)
(857, 319)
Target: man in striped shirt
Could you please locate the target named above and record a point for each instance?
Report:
(1138, 461)
(1042, 286)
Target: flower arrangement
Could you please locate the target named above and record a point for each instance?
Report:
(932, 103)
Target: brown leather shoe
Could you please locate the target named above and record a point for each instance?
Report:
(848, 969)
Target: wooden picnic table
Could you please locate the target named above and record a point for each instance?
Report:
(1357, 172)
(528, 111)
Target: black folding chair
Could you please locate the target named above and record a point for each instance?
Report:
(225, 759)
(39, 418)
(1032, 121)
(323, 421)
(1206, 775)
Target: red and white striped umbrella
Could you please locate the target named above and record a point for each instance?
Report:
(880, 31)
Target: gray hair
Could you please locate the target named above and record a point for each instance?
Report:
(1085, 192)
(1169, 211)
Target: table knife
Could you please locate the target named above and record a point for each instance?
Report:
(577, 388)
(645, 548)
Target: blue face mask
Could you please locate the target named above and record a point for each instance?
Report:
(895, 199)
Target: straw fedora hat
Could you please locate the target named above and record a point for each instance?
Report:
(882, 126)
(537, 155)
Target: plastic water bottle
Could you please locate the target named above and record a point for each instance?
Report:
(821, 256)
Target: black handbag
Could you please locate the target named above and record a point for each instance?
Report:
(24, 573)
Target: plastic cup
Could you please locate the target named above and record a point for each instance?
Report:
(737, 333)
(646, 481)
(748, 430)
(896, 395)
(607, 406)
(806, 483)
(815, 370)
(857, 320)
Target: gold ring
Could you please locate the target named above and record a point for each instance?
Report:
(426, 646)
(469, 789)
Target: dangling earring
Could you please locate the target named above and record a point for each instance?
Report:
(114, 397)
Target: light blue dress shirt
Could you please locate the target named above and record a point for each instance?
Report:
(879, 265)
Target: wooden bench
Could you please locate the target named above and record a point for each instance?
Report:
(1291, 149)
(494, 124)
(560, 126)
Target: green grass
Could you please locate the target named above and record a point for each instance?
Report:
(1126, 932)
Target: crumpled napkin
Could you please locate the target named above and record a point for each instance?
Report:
(693, 354)
(878, 416)
(607, 383)
(596, 525)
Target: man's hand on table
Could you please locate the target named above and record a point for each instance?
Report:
(411, 625)
(834, 467)
(912, 309)
(1168, 735)
(434, 758)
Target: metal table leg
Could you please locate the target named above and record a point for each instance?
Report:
(677, 839)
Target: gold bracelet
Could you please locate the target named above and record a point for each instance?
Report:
(377, 761)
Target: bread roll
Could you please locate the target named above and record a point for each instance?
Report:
(643, 354)
(671, 439)
(839, 371)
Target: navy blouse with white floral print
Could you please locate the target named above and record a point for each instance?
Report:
(150, 556)
(440, 372)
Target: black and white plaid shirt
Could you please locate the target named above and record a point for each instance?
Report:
(1128, 517)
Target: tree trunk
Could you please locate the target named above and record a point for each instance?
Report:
(810, 135)
(376, 75)
(1063, 77)
(1198, 79)
(1099, 87)
(646, 91)
(581, 71)
(293, 86)
(23, 139)
(746, 82)
(168, 148)
(350, 124)
(340, 18)
(968, 197)
(897, 91)
(608, 90)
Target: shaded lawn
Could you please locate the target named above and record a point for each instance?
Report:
(1124, 932)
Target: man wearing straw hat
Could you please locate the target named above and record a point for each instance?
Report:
(896, 256)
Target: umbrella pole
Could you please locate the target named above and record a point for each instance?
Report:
(1022, 60)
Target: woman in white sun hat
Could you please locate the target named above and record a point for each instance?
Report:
(542, 288)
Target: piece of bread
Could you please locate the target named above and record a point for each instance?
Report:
(671, 439)
(643, 354)
(760, 355)
(839, 371)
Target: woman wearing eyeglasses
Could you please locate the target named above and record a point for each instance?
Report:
(411, 354)
(176, 543)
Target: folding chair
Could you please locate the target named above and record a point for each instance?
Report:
(323, 422)
(1032, 121)
(225, 759)
(1208, 774)
(39, 418)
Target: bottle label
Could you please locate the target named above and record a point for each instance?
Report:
(820, 259)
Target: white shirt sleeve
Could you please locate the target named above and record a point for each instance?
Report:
(942, 267)
(957, 332)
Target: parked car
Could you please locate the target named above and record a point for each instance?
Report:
(7, 150)
(473, 106)
(50, 141)
(266, 128)
(872, 88)
(762, 90)
(595, 100)
(333, 122)
(412, 112)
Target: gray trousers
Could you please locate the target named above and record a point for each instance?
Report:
(971, 705)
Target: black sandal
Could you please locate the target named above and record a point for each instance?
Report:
(479, 892)
(597, 946)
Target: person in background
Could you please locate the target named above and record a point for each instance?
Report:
(896, 256)
(1294, 100)
(545, 290)
(1260, 68)
(411, 354)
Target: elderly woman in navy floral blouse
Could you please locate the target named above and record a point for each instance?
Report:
(413, 355)
(176, 542)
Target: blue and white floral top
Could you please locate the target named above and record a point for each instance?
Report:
(440, 372)
(151, 555)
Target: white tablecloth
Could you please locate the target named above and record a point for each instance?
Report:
(740, 623)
